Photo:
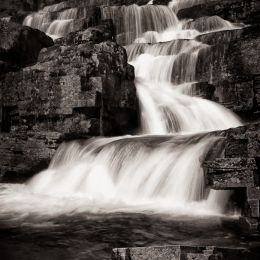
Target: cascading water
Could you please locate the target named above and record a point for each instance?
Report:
(58, 27)
(181, 4)
(143, 170)
(161, 167)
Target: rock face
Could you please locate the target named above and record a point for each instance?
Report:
(20, 45)
(238, 169)
(81, 86)
(231, 67)
(230, 64)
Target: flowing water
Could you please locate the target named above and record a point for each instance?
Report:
(141, 190)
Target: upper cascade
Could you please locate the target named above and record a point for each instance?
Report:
(59, 27)
(133, 21)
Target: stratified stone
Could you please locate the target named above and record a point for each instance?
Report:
(253, 193)
(227, 173)
(234, 165)
(80, 87)
(25, 153)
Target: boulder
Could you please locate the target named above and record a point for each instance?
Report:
(105, 31)
(20, 45)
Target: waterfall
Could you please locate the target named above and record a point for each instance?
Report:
(133, 21)
(53, 20)
(160, 167)
(166, 107)
(182, 4)
(210, 24)
(135, 170)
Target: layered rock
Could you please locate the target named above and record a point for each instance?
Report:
(231, 67)
(80, 87)
(234, 164)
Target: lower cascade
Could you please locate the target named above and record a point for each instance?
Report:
(157, 172)
(160, 168)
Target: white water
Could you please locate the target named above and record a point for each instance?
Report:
(132, 22)
(160, 170)
(130, 174)
(54, 27)
(182, 4)
(148, 23)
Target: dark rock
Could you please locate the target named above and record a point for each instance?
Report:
(203, 90)
(227, 173)
(161, 2)
(25, 153)
(233, 164)
(231, 67)
(71, 83)
(105, 31)
(20, 45)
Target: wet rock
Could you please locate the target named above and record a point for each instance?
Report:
(20, 45)
(25, 153)
(227, 173)
(105, 31)
(231, 67)
(73, 83)
(203, 90)
(233, 164)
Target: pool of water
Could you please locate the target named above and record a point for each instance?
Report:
(29, 229)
